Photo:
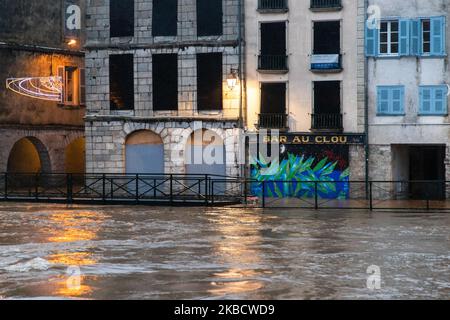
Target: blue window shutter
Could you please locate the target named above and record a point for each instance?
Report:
(415, 37)
(383, 100)
(396, 100)
(440, 100)
(437, 36)
(371, 42)
(404, 37)
(425, 97)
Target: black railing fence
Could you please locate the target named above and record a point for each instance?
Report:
(333, 121)
(325, 4)
(273, 121)
(273, 62)
(213, 190)
(272, 4)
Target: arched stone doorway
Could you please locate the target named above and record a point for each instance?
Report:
(75, 156)
(29, 155)
(144, 153)
(205, 154)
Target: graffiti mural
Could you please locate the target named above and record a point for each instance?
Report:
(298, 170)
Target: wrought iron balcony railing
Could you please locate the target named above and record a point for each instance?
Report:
(273, 121)
(272, 5)
(331, 121)
(324, 5)
(273, 63)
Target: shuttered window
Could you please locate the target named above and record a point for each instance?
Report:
(433, 100)
(407, 37)
(165, 82)
(209, 81)
(165, 16)
(209, 18)
(121, 82)
(390, 100)
(121, 15)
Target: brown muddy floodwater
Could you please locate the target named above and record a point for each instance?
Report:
(226, 253)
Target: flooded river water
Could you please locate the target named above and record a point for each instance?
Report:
(204, 253)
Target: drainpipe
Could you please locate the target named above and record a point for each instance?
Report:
(366, 105)
(241, 78)
(241, 84)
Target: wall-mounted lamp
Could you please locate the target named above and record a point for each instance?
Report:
(233, 78)
(72, 42)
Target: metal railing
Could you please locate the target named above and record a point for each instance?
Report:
(317, 195)
(273, 121)
(331, 121)
(268, 5)
(212, 190)
(326, 4)
(273, 63)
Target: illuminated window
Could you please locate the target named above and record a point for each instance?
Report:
(74, 85)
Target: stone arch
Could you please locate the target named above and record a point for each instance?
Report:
(205, 153)
(29, 155)
(144, 152)
(75, 156)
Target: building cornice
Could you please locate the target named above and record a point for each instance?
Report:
(47, 127)
(40, 49)
(163, 45)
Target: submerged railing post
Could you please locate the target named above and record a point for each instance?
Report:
(206, 189)
(104, 188)
(171, 189)
(316, 195)
(36, 186)
(137, 188)
(6, 186)
(69, 188)
(371, 195)
(264, 194)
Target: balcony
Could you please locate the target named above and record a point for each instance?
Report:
(326, 63)
(272, 6)
(273, 121)
(327, 122)
(326, 5)
(273, 64)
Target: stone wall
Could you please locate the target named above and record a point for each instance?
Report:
(53, 141)
(106, 138)
(106, 130)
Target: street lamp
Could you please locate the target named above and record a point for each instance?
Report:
(232, 79)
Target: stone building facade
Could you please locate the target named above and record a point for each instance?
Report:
(305, 76)
(39, 135)
(118, 138)
(407, 50)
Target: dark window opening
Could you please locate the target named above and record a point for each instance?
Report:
(165, 17)
(121, 82)
(165, 82)
(209, 18)
(273, 46)
(273, 106)
(327, 37)
(210, 81)
(327, 105)
(273, 98)
(427, 169)
(121, 18)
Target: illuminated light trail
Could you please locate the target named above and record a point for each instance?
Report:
(43, 88)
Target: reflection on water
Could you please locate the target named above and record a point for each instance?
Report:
(189, 253)
(235, 251)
